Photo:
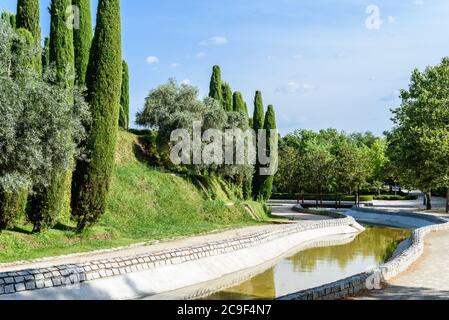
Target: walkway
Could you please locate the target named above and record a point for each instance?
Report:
(426, 280)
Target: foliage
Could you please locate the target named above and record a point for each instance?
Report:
(267, 181)
(124, 98)
(92, 178)
(46, 54)
(28, 18)
(239, 104)
(62, 53)
(82, 39)
(227, 97)
(258, 123)
(329, 161)
(215, 88)
(418, 145)
(41, 129)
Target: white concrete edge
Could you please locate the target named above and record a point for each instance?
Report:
(174, 277)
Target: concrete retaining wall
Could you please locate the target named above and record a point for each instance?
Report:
(364, 281)
(151, 274)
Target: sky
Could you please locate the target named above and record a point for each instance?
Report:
(321, 63)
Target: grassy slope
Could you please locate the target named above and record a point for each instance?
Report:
(144, 204)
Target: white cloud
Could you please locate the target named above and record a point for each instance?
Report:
(391, 19)
(175, 65)
(419, 2)
(201, 54)
(186, 81)
(298, 56)
(296, 87)
(152, 60)
(216, 40)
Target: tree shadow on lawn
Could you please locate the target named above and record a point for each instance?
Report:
(65, 228)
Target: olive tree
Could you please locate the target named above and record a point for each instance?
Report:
(40, 131)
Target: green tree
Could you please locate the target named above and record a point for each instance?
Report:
(418, 143)
(227, 97)
(47, 201)
(46, 54)
(40, 130)
(9, 18)
(238, 104)
(92, 178)
(266, 186)
(215, 89)
(258, 123)
(62, 53)
(82, 39)
(28, 18)
(124, 98)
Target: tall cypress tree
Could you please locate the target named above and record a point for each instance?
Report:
(12, 20)
(258, 123)
(82, 39)
(227, 97)
(92, 178)
(124, 98)
(266, 185)
(238, 104)
(28, 18)
(9, 18)
(215, 89)
(62, 53)
(46, 53)
(47, 202)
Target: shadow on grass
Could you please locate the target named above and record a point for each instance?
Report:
(62, 227)
(21, 230)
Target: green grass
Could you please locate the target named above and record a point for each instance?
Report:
(144, 204)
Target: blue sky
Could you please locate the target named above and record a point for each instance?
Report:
(314, 60)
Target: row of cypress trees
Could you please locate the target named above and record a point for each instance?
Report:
(259, 187)
(97, 64)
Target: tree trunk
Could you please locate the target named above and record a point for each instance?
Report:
(429, 200)
(447, 201)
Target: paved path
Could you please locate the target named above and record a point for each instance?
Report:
(282, 210)
(428, 278)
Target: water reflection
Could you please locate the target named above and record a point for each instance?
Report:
(315, 267)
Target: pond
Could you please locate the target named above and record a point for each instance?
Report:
(315, 267)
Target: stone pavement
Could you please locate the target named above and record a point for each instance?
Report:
(428, 278)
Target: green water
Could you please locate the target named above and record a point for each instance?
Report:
(315, 267)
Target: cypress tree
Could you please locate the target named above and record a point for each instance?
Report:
(46, 53)
(215, 89)
(124, 98)
(62, 53)
(82, 39)
(266, 186)
(9, 18)
(227, 97)
(258, 123)
(28, 18)
(47, 202)
(91, 179)
(238, 104)
(12, 20)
